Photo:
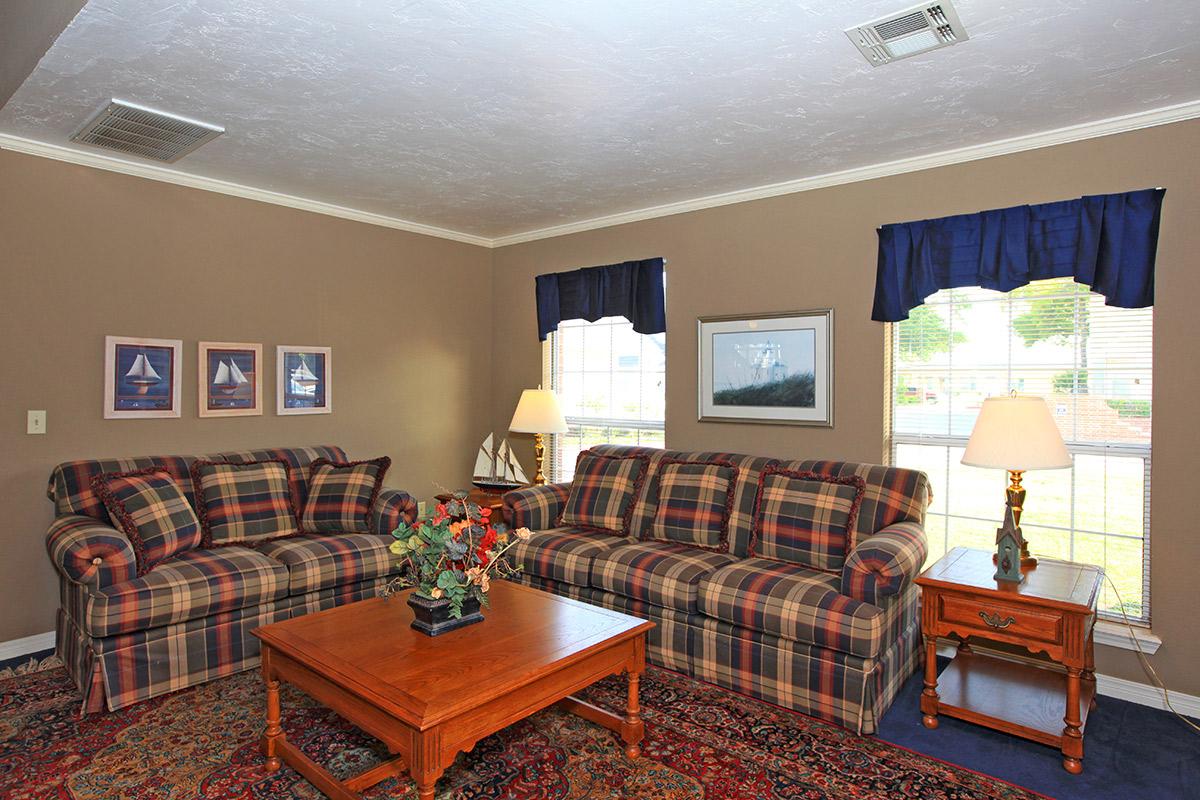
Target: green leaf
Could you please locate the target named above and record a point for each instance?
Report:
(446, 581)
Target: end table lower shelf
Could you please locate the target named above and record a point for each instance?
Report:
(1009, 696)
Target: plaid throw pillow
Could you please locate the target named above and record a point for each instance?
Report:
(152, 510)
(694, 503)
(805, 518)
(243, 503)
(342, 494)
(603, 491)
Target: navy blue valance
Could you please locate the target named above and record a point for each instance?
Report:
(633, 290)
(1106, 242)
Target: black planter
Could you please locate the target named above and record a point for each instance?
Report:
(432, 617)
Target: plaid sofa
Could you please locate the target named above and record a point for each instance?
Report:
(126, 638)
(836, 645)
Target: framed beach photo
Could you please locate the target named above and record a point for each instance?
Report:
(767, 368)
(142, 377)
(230, 379)
(303, 380)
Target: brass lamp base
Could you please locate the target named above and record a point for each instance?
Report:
(539, 453)
(1016, 499)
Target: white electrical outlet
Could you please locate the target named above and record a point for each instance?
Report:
(35, 422)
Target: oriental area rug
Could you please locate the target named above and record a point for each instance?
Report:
(702, 743)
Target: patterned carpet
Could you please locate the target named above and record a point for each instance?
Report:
(701, 742)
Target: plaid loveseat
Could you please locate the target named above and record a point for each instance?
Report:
(126, 638)
(834, 644)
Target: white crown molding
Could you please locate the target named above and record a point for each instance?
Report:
(15, 648)
(1017, 144)
(156, 173)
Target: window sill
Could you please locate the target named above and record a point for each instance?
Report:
(1116, 634)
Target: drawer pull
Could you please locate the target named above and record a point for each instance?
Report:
(994, 621)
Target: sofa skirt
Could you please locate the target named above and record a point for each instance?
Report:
(837, 687)
(118, 671)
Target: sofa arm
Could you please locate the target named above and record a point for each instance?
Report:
(392, 507)
(87, 551)
(881, 565)
(536, 507)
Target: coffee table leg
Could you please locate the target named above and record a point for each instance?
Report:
(274, 730)
(632, 727)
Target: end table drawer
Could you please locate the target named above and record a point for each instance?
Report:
(1000, 619)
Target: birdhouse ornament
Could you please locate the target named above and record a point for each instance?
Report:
(1008, 549)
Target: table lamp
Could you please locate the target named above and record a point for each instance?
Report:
(1016, 433)
(538, 413)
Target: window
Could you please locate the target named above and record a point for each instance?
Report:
(1092, 363)
(611, 382)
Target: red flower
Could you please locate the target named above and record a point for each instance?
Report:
(489, 539)
(483, 557)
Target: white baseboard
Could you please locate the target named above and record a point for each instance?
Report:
(1146, 695)
(1143, 694)
(27, 646)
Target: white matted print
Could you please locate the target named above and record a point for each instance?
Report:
(772, 368)
(304, 380)
(230, 379)
(142, 377)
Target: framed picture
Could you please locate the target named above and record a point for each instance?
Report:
(141, 377)
(303, 380)
(230, 376)
(769, 368)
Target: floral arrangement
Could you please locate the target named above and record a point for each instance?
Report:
(454, 554)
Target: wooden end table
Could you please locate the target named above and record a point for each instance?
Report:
(484, 498)
(427, 699)
(1051, 614)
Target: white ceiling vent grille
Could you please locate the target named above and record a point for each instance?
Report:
(140, 131)
(916, 30)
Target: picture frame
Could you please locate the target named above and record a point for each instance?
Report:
(303, 380)
(142, 377)
(772, 368)
(229, 379)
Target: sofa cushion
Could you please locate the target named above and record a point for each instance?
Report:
(603, 491)
(243, 503)
(693, 503)
(152, 511)
(341, 495)
(323, 561)
(198, 583)
(663, 574)
(805, 518)
(297, 458)
(794, 603)
(563, 554)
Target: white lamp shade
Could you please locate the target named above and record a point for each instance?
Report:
(538, 412)
(1016, 433)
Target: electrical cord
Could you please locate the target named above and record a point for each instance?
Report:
(1157, 681)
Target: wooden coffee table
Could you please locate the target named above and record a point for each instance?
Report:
(427, 699)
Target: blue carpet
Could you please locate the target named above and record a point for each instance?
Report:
(1130, 752)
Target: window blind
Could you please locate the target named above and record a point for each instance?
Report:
(611, 382)
(1092, 363)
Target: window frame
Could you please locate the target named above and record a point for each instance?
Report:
(893, 439)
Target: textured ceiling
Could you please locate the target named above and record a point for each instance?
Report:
(493, 117)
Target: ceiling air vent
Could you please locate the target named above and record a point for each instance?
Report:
(917, 30)
(140, 131)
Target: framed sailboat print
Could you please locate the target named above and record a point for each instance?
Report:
(303, 378)
(230, 379)
(142, 377)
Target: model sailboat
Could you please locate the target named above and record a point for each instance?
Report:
(229, 378)
(497, 467)
(141, 374)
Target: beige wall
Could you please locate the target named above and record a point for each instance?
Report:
(85, 253)
(817, 249)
